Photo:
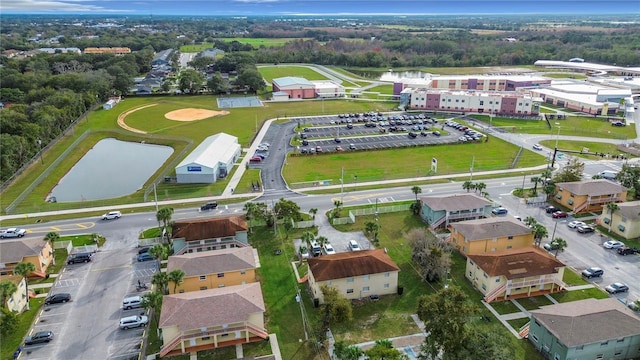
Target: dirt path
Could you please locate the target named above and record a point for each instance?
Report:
(122, 116)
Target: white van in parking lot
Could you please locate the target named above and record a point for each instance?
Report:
(132, 302)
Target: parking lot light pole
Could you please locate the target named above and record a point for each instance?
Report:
(40, 145)
(355, 182)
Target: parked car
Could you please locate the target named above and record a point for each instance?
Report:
(112, 215)
(316, 250)
(318, 149)
(133, 321)
(436, 133)
(57, 298)
(625, 250)
(634, 305)
(617, 123)
(354, 246)
(585, 229)
(145, 257)
(337, 140)
(209, 206)
(352, 146)
(144, 249)
(499, 211)
(592, 272)
(339, 148)
(559, 215)
(39, 337)
(12, 233)
(612, 244)
(132, 302)
(617, 288)
(328, 249)
(551, 209)
(413, 135)
(537, 147)
(255, 159)
(550, 246)
(79, 258)
(575, 224)
(305, 142)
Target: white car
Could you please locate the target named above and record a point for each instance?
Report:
(575, 224)
(612, 244)
(353, 245)
(537, 147)
(111, 215)
(329, 249)
(12, 233)
(133, 321)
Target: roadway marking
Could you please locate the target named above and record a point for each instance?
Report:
(112, 268)
(58, 228)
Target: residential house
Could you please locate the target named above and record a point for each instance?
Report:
(586, 329)
(34, 250)
(355, 274)
(17, 301)
(215, 269)
(515, 273)
(441, 210)
(214, 318)
(210, 234)
(589, 195)
(162, 58)
(625, 221)
(490, 235)
(143, 90)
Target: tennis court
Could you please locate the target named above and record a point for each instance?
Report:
(239, 102)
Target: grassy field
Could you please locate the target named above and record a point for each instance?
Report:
(580, 145)
(572, 125)
(255, 42)
(271, 72)
(411, 162)
(382, 89)
(575, 295)
(565, 76)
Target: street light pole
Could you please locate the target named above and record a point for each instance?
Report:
(355, 182)
(40, 145)
(558, 135)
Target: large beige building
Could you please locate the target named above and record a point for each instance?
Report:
(490, 235)
(17, 301)
(33, 250)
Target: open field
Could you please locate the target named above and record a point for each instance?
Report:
(382, 89)
(271, 72)
(580, 145)
(255, 42)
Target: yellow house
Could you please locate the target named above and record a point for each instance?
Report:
(215, 269)
(624, 221)
(34, 250)
(589, 195)
(355, 274)
(516, 273)
(17, 301)
(214, 318)
(490, 235)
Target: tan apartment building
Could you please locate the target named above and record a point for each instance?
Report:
(17, 301)
(118, 51)
(490, 235)
(34, 250)
(210, 234)
(625, 221)
(589, 195)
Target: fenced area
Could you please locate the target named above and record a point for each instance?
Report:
(351, 219)
(239, 102)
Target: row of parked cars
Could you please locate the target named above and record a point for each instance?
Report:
(468, 133)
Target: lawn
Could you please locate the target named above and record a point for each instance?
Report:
(255, 42)
(581, 145)
(505, 307)
(250, 176)
(568, 296)
(382, 89)
(271, 72)
(572, 278)
(535, 302)
(518, 323)
(409, 162)
(10, 342)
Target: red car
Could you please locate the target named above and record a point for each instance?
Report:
(256, 159)
(559, 214)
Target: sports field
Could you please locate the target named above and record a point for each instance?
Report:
(271, 72)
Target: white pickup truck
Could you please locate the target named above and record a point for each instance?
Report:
(12, 233)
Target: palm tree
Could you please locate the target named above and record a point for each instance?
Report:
(24, 269)
(176, 276)
(161, 280)
(530, 221)
(338, 205)
(7, 288)
(539, 232)
(416, 190)
(468, 185)
(164, 215)
(372, 227)
(535, 180)
(52, 236)
(480, 186)
(152, 301)
(559, 244)
(612, 207)
(321, 240)
(313, 212)
(158, 252)
(307, 238)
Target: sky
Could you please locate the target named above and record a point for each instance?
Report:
(317, 7)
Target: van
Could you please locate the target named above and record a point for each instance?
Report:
(608, 174)
(132, 302)
(79, 258)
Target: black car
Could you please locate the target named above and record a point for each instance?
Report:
(627, 251)
(144, 249)
(39, 337)
(209, 206)
(305, 142)
(79, 258)
(413, 135)
(551, 209)
(592, 272)
(57, 298)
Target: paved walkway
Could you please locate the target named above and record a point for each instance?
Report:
(580, 287)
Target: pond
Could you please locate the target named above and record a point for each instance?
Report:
(112, 168)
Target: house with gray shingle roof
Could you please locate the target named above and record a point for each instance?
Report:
(586, 329)
(625, 221)
(490, 235)
(212, 269)
(213, 318)
(441, 210)
(589, 195)
(355, 274)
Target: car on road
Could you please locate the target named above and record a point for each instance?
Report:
(209, 206)
(354, 246)
(112, 215)
(612, 244)
(57, 298)
(39, 337)
(551, 209)
(585, 229)
(79, 258)
(575, 224)
(328, 249)
(625, 250)
(499, 211)
(537, 147)
(133, 321)
(617, 288)
(559, 215)
(145, 257)
(12, 233)
(592, 272)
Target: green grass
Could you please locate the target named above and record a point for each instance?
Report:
(568, 296)
(564, 76)
(271, 72)
(505, 307)
(535, 302)
(410, 162)
(382, 89)
(244, 185)
(11, 341)
(255, 42)
(518, 323)
(581, 145)
(572, 278)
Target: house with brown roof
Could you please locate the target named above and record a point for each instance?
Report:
(37, 251)
(586, 329)
(210, 234)
(355, 274)
(17, 301)
(625, 221)
(515, 273)
(589, 195)
(441, 210)
(213, 318)
(214, 269)
(490, 235)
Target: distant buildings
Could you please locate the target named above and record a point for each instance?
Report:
(162, 58)
(211, 160)
(301, 88)
(502, 103)
(53, 51)
(118, 51)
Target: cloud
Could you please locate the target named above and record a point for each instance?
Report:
(45, 6)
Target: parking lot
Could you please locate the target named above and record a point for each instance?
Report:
(88, 325)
